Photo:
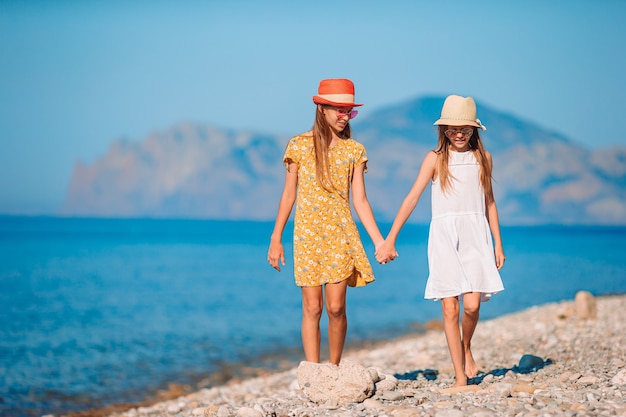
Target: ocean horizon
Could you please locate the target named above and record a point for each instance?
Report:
(97, 311)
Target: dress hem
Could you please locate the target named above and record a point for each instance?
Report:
(355, 283)
(484, 295)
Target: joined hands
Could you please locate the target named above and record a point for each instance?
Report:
(386, 252)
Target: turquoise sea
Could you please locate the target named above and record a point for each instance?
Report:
(101, 311)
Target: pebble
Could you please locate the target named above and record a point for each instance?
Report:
(586, 375)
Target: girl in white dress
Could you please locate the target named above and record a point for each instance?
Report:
(464, 243)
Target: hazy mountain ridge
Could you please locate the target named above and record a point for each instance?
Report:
(192, 170)
(187, 171)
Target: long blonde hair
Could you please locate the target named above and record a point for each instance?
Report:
(322, 137)
(476, 146)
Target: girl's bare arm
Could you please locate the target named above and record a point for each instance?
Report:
(276, 252)
(362, 206)
(424, 177)
(494, 223)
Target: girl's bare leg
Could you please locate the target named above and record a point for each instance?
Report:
(471, 313)
(312, 304)
(450, 309)
(337, 319)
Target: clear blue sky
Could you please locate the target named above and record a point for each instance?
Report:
(76, 75)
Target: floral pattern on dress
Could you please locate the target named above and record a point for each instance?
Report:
(327, 247)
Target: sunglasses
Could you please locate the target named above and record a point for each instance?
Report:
(342, 112)
(452, 133)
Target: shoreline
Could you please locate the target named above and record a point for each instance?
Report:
(235, 373)
(588, 361)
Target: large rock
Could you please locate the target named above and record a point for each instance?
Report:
(585, 306)
(335, 385)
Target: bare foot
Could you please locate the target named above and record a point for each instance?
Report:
(471, 369)
(460, 382)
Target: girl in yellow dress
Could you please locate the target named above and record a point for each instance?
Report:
(323, 166)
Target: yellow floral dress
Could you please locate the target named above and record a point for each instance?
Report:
(327, 247)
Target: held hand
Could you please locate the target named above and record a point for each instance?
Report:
(380, 257)
(499, 253)
(386, 252)
(276, 255)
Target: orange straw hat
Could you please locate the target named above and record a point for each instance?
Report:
(338, 92)
(459, 111)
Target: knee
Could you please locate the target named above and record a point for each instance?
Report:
(471, 309)
(450, 310)
(336, 310)
(312, 310)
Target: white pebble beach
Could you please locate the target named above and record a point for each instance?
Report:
(587, 376)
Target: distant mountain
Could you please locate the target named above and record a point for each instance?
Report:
(540, 177)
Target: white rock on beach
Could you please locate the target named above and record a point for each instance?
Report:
(330, 384)
(586, 374)
(585, 306)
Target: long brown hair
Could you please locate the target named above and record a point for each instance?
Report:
(476, 146)
(322, 137)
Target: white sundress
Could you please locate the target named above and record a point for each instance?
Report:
(460, 249)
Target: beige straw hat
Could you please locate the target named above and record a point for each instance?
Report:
(459, 111)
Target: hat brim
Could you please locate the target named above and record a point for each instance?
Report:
(320, 100)
(457, 122)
